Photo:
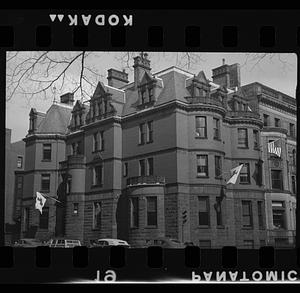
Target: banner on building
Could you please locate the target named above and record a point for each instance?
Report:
(274, 147)
(235, 172)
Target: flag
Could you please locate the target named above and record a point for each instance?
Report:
(235, 172)
(39, 202)
(274, 148)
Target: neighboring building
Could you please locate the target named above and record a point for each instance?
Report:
(136, 157)
(14, 164)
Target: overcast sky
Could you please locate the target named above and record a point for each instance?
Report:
(278, 71)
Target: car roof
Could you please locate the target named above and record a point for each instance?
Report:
(111, 239)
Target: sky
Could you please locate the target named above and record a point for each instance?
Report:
(278, 71)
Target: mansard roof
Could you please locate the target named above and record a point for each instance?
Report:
(56, 120)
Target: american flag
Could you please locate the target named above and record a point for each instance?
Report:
(273, 148)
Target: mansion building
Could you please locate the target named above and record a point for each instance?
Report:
(150, 158)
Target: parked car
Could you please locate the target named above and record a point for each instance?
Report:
(166, 243)
(64, 243)
(108, 242)
(28, 242)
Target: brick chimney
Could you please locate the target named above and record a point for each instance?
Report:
(141, 64)
(226, 75)
(67, 98)
(117, 78)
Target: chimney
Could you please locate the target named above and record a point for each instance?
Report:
(35, 119)
(117, 78)
(67, 98)
(227, 75)
(141, 65)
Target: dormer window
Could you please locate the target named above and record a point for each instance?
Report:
(143, 96)
(150, 92)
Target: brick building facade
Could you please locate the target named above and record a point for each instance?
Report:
(130, 161)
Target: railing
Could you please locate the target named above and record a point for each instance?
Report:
(242, 114)
(140, 180)
(205, 100)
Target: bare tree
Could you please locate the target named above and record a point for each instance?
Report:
(35, 74)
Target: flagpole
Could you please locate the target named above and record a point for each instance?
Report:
(50, 197)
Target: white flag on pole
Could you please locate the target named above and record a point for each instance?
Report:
(273, 148)
(235, 172)
(39, 202)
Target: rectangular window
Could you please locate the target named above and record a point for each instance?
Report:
(101, 146)
(142, 133)
(75, 208)
(217, 128)
(245, 173)
(45, 182)
(276, 177)
(98, 175)
(218, 208)
(20, 162)
(150, 93)
(218, 166)
(203, 210)
(201, 128)
(26, 219)
(151, 211)
(247, 213)
(74, 148)
(255, 139)
(47, 151)
(134, 212)
(242, 138)
(69, 185)
(97, 215)
(266, 120)
(292, 130)
(19, 186)
(150, 131)
(96, 141)
(125, 169)
(260, 214)
(294, 184)
(142, 169)
(143, 96)
(278, 210)
(277, 122)
(150, 166)
(44, 219)
(204, 243)
(202, 165)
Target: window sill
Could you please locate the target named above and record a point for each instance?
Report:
(245, 183)
(200, 137)
(243, 148)
(151, 227)
(204, 177)
(44, 160)
(97, 186)
(204, 227)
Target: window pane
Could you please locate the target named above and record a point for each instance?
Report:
(46, 151)
(152, 211)
(203, 210)
(134, 212)
(201, 126)
(97, 215)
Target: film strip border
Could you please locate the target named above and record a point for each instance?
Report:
(163, 30)
(167, 30)
(43, 264)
